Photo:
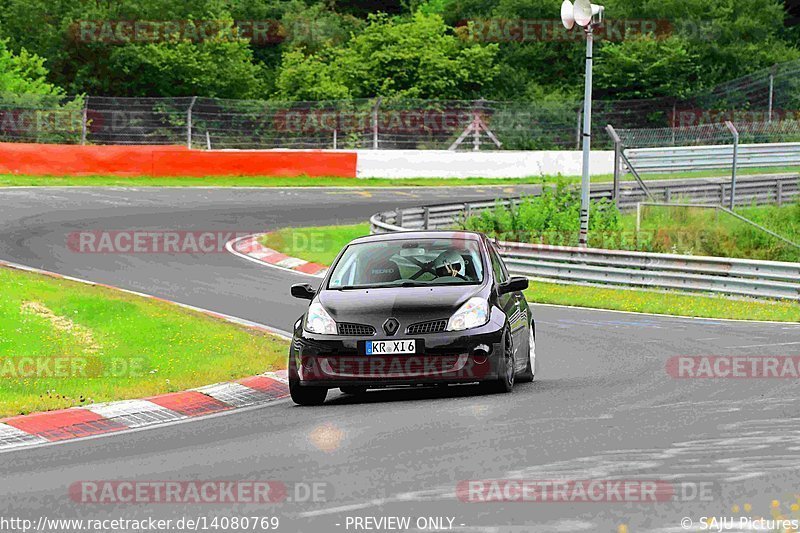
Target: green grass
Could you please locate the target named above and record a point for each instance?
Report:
(123, 346)
(696, 231)
(316, 244)
(8, 180)
(664, 303)
(293, 241)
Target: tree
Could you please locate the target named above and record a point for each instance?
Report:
(646, 67)
(24, 73)
(413, 58)
(215, 68)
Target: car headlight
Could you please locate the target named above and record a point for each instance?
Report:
(319, 321)
(474, 313)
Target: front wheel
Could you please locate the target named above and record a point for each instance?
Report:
(307, 395)
(529, 373)
(506, 369)
(303, 395)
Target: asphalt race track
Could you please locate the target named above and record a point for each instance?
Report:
(603, 406)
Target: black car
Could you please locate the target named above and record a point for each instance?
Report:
(409, 309)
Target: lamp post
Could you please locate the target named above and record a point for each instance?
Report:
(586, 15)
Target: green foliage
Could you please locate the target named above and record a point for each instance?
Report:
(397, 48)
(24, 73)
(218, 67)
(550, 218)
(391, 57)
(646, 67)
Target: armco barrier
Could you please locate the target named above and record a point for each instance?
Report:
(176, 161)
(742, 277)
(759, 190)
(683, 158)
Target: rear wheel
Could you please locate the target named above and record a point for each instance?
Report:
(505, 379)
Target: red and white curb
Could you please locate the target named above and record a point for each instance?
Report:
(103, 418)
(248, 247)
(99, 419)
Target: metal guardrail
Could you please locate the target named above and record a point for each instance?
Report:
(742, 277)
(759, 190)
(687, 158)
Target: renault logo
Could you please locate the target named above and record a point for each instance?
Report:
(390, 326)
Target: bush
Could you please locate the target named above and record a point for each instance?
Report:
(550, 218)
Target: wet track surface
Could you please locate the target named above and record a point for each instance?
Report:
(603, 406)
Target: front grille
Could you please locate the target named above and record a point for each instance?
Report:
(355, 330)
(421, 328)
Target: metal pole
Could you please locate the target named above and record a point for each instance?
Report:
(578, 129)
(84, 117)
(334, 138)
(208, 141)
(587, 136)
(617, 163)
(771, 92)
(375, 124)
(189, 123)
(476, 134)
(735, 134)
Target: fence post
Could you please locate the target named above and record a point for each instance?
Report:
(771, 92)
(84, 117)
(334, 138)
(735, 134)
(375, 123)
(779, 192)
(189, 123)
(426, 217)
(398, 217)
(617, 163)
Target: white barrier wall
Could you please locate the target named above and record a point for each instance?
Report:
(500, 164)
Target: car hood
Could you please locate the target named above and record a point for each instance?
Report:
(407, 304)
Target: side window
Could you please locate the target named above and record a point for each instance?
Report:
(498, 267)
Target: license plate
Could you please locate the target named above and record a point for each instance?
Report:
(391, 347)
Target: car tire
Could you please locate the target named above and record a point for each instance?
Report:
(304, 395)
(529, 374)
(355, 390)
(505, 380)
(307, 395)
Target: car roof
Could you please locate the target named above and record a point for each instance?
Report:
(427, 234)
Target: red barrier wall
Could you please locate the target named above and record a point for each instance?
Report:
(73, 160)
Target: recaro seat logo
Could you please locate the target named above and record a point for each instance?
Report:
(390, 326)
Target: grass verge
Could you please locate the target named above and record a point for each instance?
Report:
(316, 244)
(697, 231)
(322, 244)
(65, 343)
(9, 180)
(662, 303)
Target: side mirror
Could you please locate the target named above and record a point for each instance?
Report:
(514, 284)
(303, 291)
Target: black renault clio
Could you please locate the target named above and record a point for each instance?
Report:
(410, 309)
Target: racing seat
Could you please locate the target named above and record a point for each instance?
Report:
(385, 271)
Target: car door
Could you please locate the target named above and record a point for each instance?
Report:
(512, 304)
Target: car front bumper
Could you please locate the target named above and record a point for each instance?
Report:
(447, 357)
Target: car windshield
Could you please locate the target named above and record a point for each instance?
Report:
(408, 263)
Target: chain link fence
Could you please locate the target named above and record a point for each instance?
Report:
(770, 98)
